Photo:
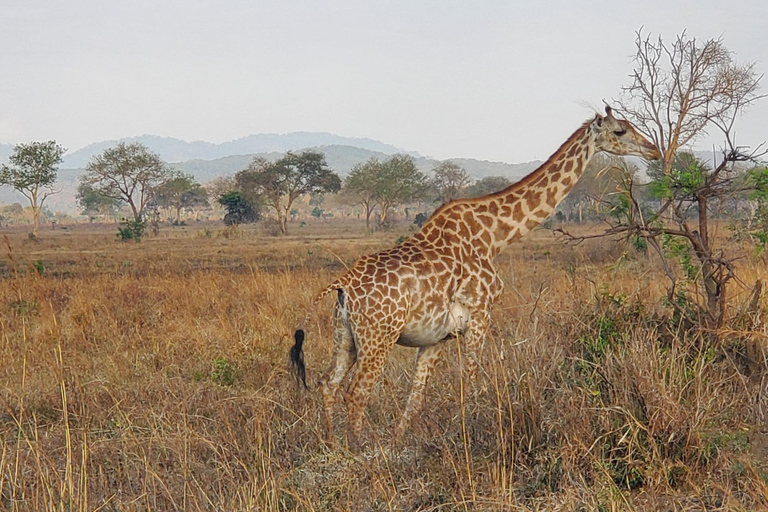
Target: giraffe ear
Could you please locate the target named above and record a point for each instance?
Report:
(598, 122)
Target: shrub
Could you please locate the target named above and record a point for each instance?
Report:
(130, 229)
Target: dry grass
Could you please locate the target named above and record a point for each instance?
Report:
(153, 376)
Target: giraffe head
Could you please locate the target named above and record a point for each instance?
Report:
(618, 137)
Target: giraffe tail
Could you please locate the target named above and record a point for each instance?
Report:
(297, 357)
(297, 350)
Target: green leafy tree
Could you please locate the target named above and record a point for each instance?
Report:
(487, 185)
(359, 187)
(127, 172)
(93, 204)
(180, 192)
(239, 209)
(280, 183)
(449, 181)
(33, 171)
(399, 181)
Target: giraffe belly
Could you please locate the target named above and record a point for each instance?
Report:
(429, 329)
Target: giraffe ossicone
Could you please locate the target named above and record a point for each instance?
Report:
(441, 282)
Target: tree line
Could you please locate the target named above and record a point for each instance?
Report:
(132, 177)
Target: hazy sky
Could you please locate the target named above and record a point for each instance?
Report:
(497, 80)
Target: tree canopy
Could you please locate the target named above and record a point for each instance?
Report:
(127, 172)
(387, 184)
(449, 181)
(280, 183)
(33, 171)
(181, 191)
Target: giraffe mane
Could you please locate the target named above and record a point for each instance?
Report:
(523, 181)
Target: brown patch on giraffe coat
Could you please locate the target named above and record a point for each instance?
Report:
(530, 224)
(486, 220)
(532, 198)
(517, 212)
(471, 221)
(567, 181)
(464, 231)
(568, 166)
(552, 197)
(503, 229)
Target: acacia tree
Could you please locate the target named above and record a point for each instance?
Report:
(449, 181)
(127, 172)
(94, 204)
(398, 181)
(678, 92)
(358, 187)
(181, 191)
(32, 171)
(280, 183)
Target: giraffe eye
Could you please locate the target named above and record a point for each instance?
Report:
(619, 133)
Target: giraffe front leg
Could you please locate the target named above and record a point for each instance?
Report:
(426, 360)
(473, 342)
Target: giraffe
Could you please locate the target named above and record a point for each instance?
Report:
(441, 282)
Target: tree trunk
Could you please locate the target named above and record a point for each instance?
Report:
(35, 214)
(282, 219)
(178, 214)
(368, 212)
(383, 215)
(136, 213)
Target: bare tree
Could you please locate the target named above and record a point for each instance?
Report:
(677, 93)
(449, 181)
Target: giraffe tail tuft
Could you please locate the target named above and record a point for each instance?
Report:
(297, 358)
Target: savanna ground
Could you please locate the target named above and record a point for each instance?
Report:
(154, 376)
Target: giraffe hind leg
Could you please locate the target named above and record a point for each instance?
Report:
(372, 354)
(426, 360)
(344, 357)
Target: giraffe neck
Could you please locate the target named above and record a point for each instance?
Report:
(490, 223)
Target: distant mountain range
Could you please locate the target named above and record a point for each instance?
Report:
(207, 161)
(176, 150)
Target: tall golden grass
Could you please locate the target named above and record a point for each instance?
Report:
(154, 376)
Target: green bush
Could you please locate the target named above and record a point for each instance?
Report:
(131, 229)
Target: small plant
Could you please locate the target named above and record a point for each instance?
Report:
(38, 266)
(222, 372)
(25, 307)
(131, 230)
(420, 219)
